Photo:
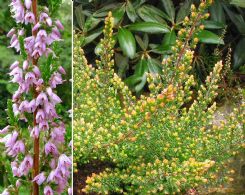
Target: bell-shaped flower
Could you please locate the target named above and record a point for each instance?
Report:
(25, 65)
(19, 147)
(36, 27)
(39, 179)
(16, 110)
(35, 131)
(26, 165)
(59, 25)
(9, 139)
(18, 11)
(44, 17)
(56, 79)
(28, 4)
(32, 106)
(62, 70)
(50, 110)
(40, 116)
(14, 65)
(15, 169)
(4, 130)
(53, 97)
(11, 32)
(44, 125)
(64, 163)
(29, 18)
(48, 190)
(50, 148)
(42, 99)
(24, 106)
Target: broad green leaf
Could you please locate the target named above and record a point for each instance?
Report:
(79, 16)
(121, 63)
(209, 37)
(131, 11)
(183, 11)
(217, 12)
(150, 13)
(140, 42)
(92, 36)
(237, 19)
(91, 23)
(149, 27)
(118, 14)
(169, 39)
(239, 57)
(240, 3)
(105, 9)
(210, 24)
(169, 8)
(154, 66)
(127, 42)
(141, 67)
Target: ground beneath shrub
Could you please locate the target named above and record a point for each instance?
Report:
(79, 179)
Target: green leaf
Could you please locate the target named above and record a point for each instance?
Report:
(91, 23)
(240, 3)
(209, 37)
(118, 14)
(121, 63)
(239, 57)
(154, 66)
(237, 19)
(150, 13)
(211, 24)
(105, 9)
(140, 42)
(92, 36)
(79, 16)
(169, 8)
(131, 11)
(149, 27)
(127, 42)
(217, 12)
(169, 39)
(183, 11)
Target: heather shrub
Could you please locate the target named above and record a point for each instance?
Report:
(154, 143)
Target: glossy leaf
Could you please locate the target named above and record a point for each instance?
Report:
(127, 42)
(239, 57)
(209, 37)
(150, 13)
(140, 42)
(131, 11)
(154, 66)
(217, 12)
(240, 3)
(118, 14)
(183, 11)
(169, 8)
(79, 16)
(91, 23)
(149, 27)
(92, 36)
(210, 24)
(121, 63)
(169, 39)
(105, 9)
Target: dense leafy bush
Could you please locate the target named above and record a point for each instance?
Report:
(155, 143)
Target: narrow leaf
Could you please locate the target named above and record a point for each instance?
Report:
(169, 8)
(149, 27)
(239, 57)
(183, 11)
(131, 11)
(209, 37)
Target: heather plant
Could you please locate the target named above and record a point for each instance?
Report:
(35, 137)
(154, 143)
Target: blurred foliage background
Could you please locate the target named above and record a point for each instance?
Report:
(61, 9)
(146, 29)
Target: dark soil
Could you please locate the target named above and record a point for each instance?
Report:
(79, 178)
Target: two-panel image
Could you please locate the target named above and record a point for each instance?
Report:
(122, 97)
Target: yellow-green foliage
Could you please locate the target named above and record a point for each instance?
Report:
(156, 144)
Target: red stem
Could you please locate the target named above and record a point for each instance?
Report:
(36, 140)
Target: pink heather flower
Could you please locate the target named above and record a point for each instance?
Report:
(32, 106)
(40, 116)
(17, 74)
(50, 110)
(24, 106)
(54, 36)
(57, 135)
(9, 139)
(29, 44)
(64, 163)
(25, 65)
(50, 148)
(14, 65)
(30, 78)
(59, 25)
(18, 11)
(52, 163)
(16, 95)
(16, 109)
(61, 185)
(5, 192)
(43, 125)
(19, 147)
(62, 70)
(53, 97)
(70, 191)
(44, 17)
(36, 71)
(18, 183)
(21, 32)
(42, 99)
(35, 132)
(48, 190)
(36, 27)
(55, 80)
(41, 36)
(54, 176)
(28, 4)
(14, 43)
(29, 18)
(11, 32)
(39, 179)
(26, 165)
(4, 130)
(15, 169)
